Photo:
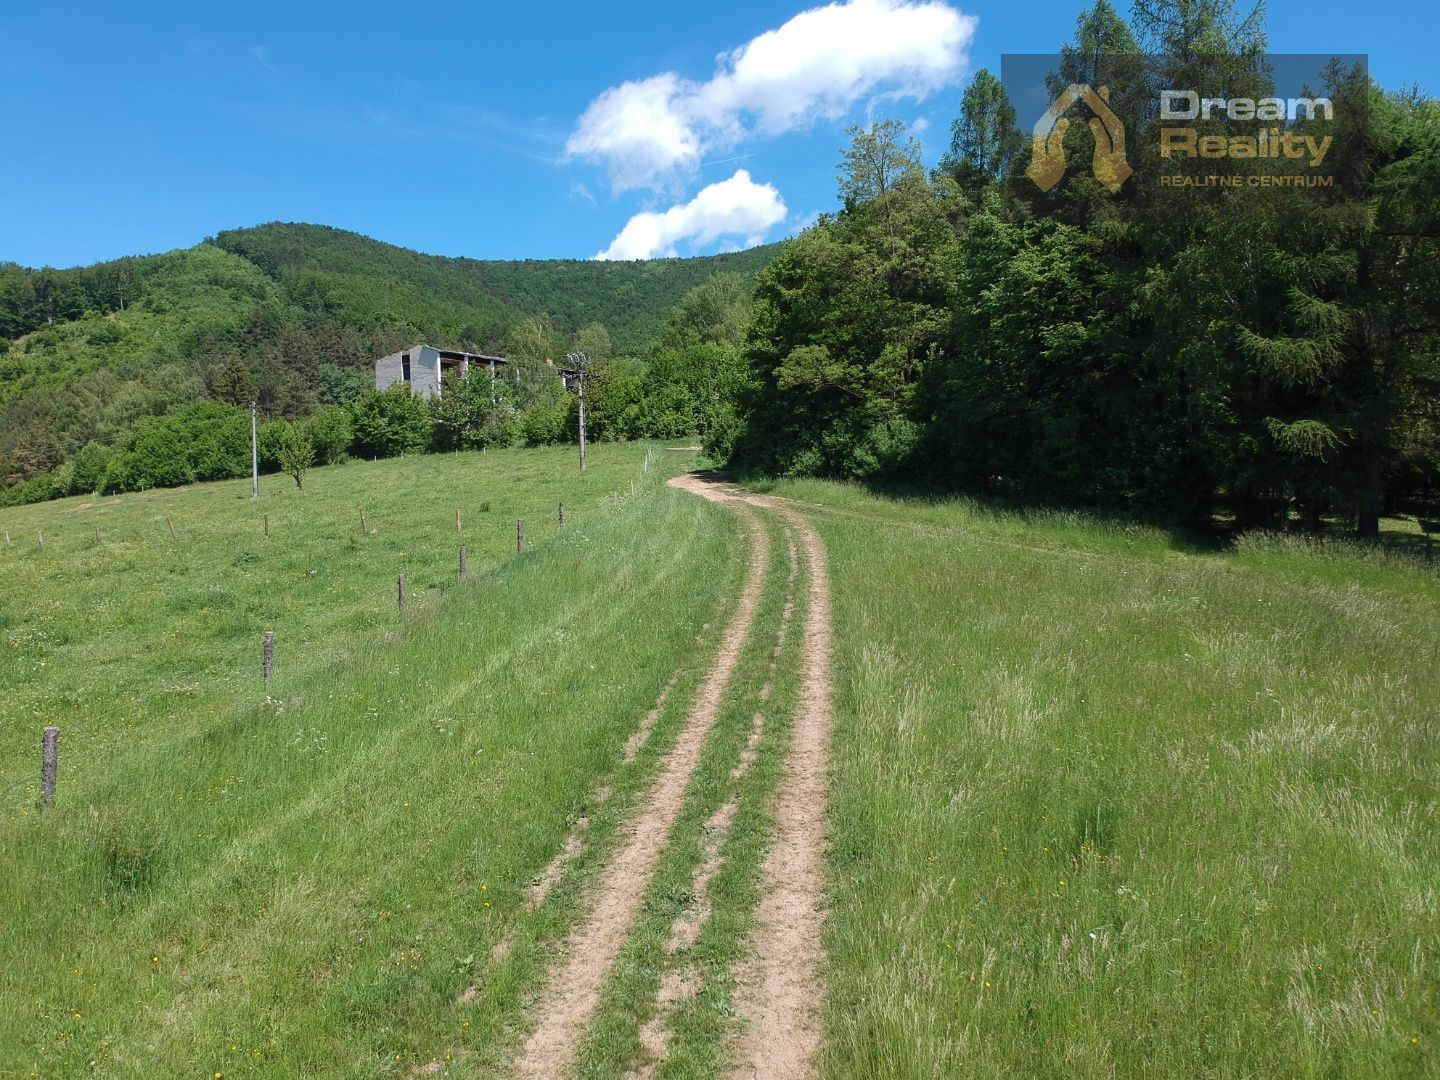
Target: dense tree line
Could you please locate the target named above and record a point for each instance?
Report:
(1271, 352)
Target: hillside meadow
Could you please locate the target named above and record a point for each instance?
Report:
(1107, 805)
(1101, 802)
(303, 880)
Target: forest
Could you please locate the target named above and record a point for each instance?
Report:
(1259, 357)
(1267, 356)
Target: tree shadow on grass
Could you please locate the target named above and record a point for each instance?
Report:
(1400, 535)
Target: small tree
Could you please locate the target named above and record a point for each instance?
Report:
(876, 161)
(235, 386)
(297, 453)
(985, 139)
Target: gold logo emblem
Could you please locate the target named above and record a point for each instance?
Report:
(1047, 161)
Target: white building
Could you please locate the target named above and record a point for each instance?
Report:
(422, 366)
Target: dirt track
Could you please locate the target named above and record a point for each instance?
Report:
(576, 983)
(780, 989)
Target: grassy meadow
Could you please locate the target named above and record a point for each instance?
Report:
(1106, 806)
(308, 880)
(1101, 803)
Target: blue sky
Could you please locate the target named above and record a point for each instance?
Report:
(507, 131)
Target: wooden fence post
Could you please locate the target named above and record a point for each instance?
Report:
(464, 563)
(401, 593)
(269, 654)
(49, 765)
(267, 526)
(171, 527)
(562, 515)
(97, 536)
(40, 536)
(520, 534)
(7, 537)
(363, 527)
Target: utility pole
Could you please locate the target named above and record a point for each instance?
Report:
(581, 363)
(581, 381)
(254, 455)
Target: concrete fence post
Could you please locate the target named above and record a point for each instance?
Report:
(49, 764)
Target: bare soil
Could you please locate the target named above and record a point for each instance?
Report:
(781, 985)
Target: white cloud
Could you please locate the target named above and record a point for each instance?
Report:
(638, 130)
(737, 208)
(817, 65)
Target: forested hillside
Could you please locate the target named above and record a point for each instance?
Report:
(328, 271)
(291, 315)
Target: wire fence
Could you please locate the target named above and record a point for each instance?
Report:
(88, 735)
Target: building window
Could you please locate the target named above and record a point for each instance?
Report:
(405, 367)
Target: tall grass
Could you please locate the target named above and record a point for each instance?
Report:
(306, 881)
(1104, 806)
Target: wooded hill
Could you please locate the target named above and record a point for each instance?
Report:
(86, 353)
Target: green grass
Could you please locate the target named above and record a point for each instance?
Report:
(303, 881)
(1105, 806)
(1101, 803)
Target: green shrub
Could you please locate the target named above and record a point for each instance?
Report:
(272, 437)
(330, 432)
(546, 423)
(221, 447)
(89, 468)
(297, 454)
(389, 422)
(161, 449)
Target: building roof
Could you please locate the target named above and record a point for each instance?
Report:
(453, 354)
(456, 354)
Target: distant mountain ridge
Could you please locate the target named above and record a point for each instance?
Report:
(630, 298)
